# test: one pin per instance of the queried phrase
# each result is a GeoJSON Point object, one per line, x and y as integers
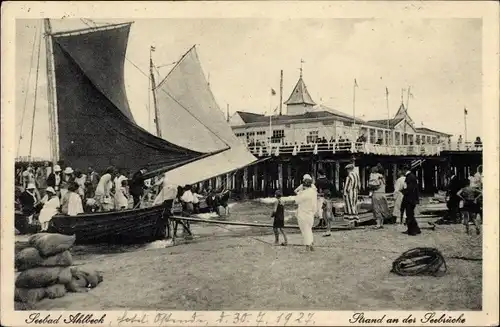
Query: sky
{"type": "Point", "coordinates": [439, 59]}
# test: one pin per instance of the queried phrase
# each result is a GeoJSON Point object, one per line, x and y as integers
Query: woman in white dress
{"type": "Point", "coordinates": [167, 191]}
{"type": "Point", "coordinates": [50, 207]}
{"type": "Point", "coordinates": [120, 194]}
{"type": "Point", "coordinates": [307, 201]}
{"type": "Point", "coordinates": [399, 186]}
{"type": "Point", "coordinates": [80, 180]}
{"type": "Point", "coordinates": [103, 191]}
{"type": "Point", "coordinates": [71, 203]}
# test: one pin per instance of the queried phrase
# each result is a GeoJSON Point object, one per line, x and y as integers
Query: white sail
{"type": "Point", "coordinates": [189, 116]}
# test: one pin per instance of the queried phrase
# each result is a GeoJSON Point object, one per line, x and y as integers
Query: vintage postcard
{"type": "Point", "coordinates": [250, 163]}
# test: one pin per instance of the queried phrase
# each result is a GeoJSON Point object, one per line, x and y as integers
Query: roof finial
{"type": "Point", "coordinates": [301, 62]}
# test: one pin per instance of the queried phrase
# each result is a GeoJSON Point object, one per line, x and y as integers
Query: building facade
{"type": "Point", "coordinates": [306, 122]}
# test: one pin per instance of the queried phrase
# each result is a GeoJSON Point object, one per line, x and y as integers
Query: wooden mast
{"type": "Point", "coordinates": [281, 93]}
{"type": "Point", "coordinates": [51, 93]}
{"type": "Point", "coordinates": [153, 87]}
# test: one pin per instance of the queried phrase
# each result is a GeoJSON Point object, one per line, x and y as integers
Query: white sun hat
{"type": "Point", "coordinates": [57, 168]}
{"type": "Point", "coordinates": [307, 177]}
{"type": "Point", "coordinates": [68, 170]}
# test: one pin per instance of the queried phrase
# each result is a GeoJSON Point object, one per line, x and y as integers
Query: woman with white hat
{"type": "Point", "coordinates": [29, 199]}
{"type": "Point", "coordinates": [69, 175]}
{"type": "Point", "coordinates": [55, 179]}
{"type": "Point", "coordinates": [307, 200]}
{"type": "Point", "coordinates": [50, 208]}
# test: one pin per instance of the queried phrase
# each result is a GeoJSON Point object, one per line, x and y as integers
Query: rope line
{"type": "Point", "coordinates": [36, 93]}
{"type": "Point", "coordinates": [420, 261]}
{"type": "Point", "coordinates": [27, 88]}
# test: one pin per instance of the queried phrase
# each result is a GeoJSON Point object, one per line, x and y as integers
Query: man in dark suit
{"type": "Point", "coordinates": [453, 203]}
{"type": "Point", "coordinates": [137, 186]}
{"type": "Point", "coordinates": [410, 201]}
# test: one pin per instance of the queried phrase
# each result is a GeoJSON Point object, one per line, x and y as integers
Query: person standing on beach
{"type": "Point", "coordinates": [307, 200]}
{"type": "Point", "coordinates": [398, 196]}
{"type": "Point", "coordinates": [351, 189]}
{"type": "Point", "coordinates": [470, 195]}
{"type": "Point", "coordinates": [410, 201]}
{"type": "Point", "coordinates": [327, 211]}
{"type": "Point", "coordinates": [322, 185]}
{"type": "Point", "coordinates": [380, 206]}
{"type": "Point", "coordinates": [279, 220]}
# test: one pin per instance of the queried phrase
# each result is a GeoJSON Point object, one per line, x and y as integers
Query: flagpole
{"type": "Point", "coordinates": [149, 92]}
{"type": "Point", "coordinates": [281, 93]}
{"type": "Point", "coordinates": [354, 108]}
{"type": "Point", "coordinates": [388, 114]}
{"type": "Point", "coordinates": [270, 116]}
{"type": "Point", "coordinates": [465, 125]}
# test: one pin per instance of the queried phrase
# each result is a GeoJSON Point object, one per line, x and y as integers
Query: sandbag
{"type": "Point", "coordinates": [77, 285]}
{"type": "Point", "coordinates": [27, 258]}
{"type": "Point", "coordinates": [93, 278]}
{"type": "Point", "coordinates": [62, 259]}
{"type": "Point", "coordinates": [65, 276]}
{"type": "Point", "coordinates": [29, 295]}
{"type": "Point", "coordinates": [49, 244]}
{"type": "Point", "coordinates": [55, 291]}
{"type": "Point", "coordinates": [42, 277]}
{"type": "Point", "coordinates": [86, 278]}
{"type": "Point", "coordinates": [21, 245]}
{"type": "Point", "coordinates": [21, 306]}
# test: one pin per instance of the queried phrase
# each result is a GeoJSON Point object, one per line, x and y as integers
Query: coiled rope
{"type": "Point", "coordinates": [420, 261]}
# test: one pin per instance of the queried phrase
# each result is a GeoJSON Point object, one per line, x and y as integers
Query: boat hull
{"type": "Point", "coordinates": [116, 227]}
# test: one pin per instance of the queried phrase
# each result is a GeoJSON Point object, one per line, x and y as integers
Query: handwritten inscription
{"type": "Point", "coordinates": [265, 318]}
{"type": "Point", "coordinates": [428, 318]}
{"type": "Point", "coordinates": [224, 318]}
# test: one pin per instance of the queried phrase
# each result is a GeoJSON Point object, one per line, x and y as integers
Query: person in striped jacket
{"type": "Point", "coordinates": [351, 191]}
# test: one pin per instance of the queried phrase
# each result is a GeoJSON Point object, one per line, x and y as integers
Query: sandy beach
{"type": "Point", "coordinates": [239, 268]}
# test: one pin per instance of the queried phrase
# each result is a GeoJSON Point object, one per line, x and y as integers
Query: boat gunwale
{"type": "Point", "coordinates": [110, 213]}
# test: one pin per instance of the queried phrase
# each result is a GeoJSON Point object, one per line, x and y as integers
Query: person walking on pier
{"type": "Point", "coordinates": [351, 190]}
{"type": "Point", "coordinates": [410, 201]}
{"type": "Point", "coordinates": [279, 220]}
{"type": "Point", "coordinates": [307, 200]}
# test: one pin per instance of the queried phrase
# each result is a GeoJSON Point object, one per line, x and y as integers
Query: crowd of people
{"type": "Point", "coordinates": [464, 199]}
{"type": "Point", "coordinates": [49, 190]}
{"type": "Point", "coordinates": [314, 200]}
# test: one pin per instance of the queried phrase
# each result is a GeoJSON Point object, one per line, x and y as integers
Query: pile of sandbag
{"type": "Point", "coordinates": [45, 269]}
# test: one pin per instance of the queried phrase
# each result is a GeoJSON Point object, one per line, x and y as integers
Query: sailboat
{"type": "Point", "coordinates": [92, 125]}
{"type": "Point", "coordinates": [184, 98]}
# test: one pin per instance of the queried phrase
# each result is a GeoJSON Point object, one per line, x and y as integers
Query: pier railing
{"type": "Point", "coordinates": [358, 147]}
